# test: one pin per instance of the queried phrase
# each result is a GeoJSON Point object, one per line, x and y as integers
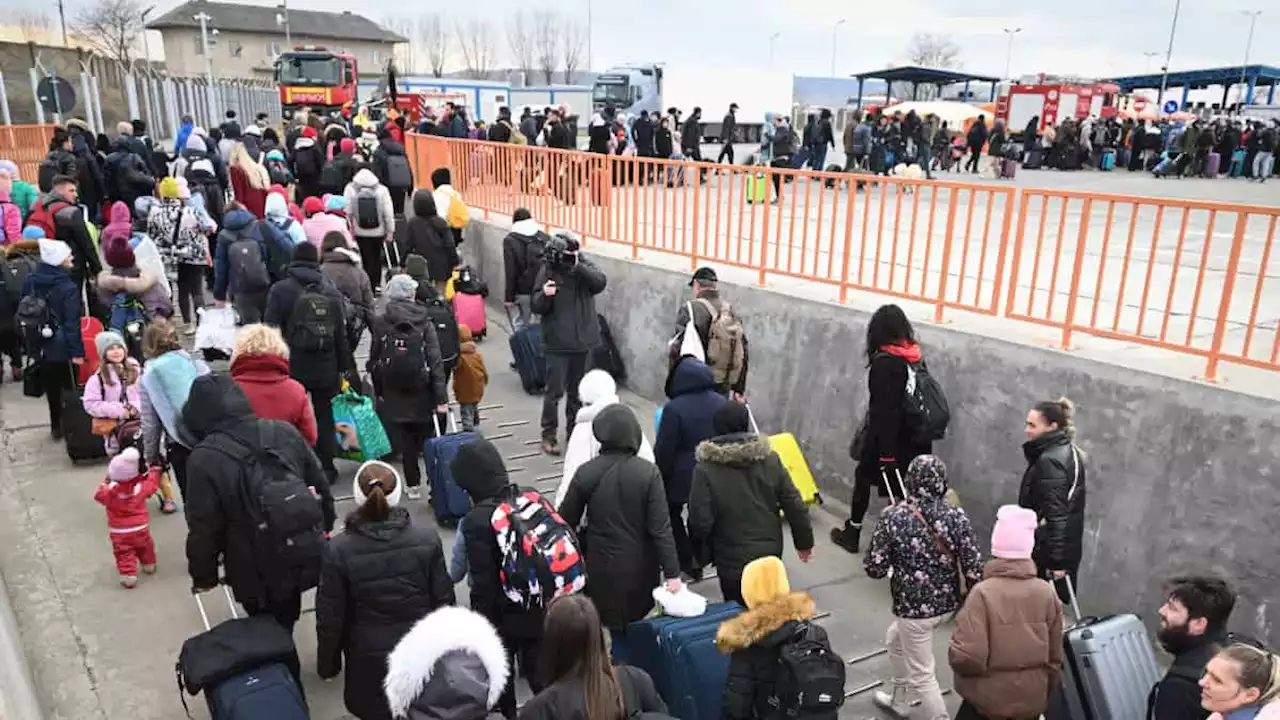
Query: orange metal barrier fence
{"type": "Point", "coordinates": [26, 145]}
{"type": "Point", "coordinates": [1193, 277]}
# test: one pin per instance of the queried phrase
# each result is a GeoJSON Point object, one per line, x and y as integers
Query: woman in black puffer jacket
{"type": "Point", "coordinates": [1054, 487]}
{"type": "Point", "coordinates": [378, 578]}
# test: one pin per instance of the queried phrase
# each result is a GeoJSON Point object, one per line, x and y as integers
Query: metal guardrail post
{"type": "Point", "coordinates": [1228, 288]}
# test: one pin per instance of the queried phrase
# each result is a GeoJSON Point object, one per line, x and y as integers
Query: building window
{"type": "Point", "coordinates": [236, 48]}
{"type": "Point", "coordinates": [273, 50]}
{"type": "Point", "coordinates": [375, 57]}
{"type": "Point", "coordinates": [199, 44]}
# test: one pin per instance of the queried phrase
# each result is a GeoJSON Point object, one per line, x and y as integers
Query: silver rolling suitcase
{"type": "Point", "coordinates": [1109, 668]}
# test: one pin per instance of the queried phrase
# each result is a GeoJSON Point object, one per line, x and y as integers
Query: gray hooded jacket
{"type": "Point", "coordinates": [450, 666]}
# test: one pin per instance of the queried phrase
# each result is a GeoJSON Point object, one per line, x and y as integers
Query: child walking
{"type": "Point", "coordinates": [124, 493]}
{"type": "Point", "coordinates": [469, 379]}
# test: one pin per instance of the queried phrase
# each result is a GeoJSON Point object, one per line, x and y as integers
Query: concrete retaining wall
{"type": "Point", "coordinates": [1182, 476]}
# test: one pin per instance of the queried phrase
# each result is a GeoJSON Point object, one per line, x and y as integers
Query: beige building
{"type": "Point", "coordinates": [249, 38]}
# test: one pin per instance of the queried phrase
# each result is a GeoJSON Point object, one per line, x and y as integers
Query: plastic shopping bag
{"type": "Point", "coordinates": [685, 603]}
{"type": "Point", "coordinates": [216, 330]}
{"type": "Point", "coordinates": [361, 436]}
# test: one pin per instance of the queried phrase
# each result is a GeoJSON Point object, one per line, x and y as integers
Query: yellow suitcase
{"type": "Point", "coordinates": [792, 458]}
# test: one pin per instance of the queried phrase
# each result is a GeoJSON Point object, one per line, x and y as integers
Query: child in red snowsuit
{"type": "Point", "coordinates": [125, 493]}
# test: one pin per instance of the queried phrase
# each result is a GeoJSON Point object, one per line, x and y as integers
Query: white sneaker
{"type": "Point", "coordinates": [189, 330]}
{"type": "Point", "coordinates": [414, 493]}
{"type": "Point", "coordinates": [894, 704]}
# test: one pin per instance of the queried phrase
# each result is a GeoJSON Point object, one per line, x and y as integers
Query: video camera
{"type": "Point", "coordinates": [561, 252]}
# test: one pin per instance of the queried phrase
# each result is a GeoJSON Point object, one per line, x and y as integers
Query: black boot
{"type": "Point", "coordinates": [847, 537]}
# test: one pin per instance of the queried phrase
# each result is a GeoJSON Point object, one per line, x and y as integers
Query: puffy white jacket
{"type": "Point", "coordinates": [597, 392]}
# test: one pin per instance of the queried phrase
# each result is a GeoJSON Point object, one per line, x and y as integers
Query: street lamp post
{"type": "Point", "coordinates": [1008, 57]}
{"type": "Point", "coordinates": [835, 36]}
{"type": "Point", "coordinates": [1148, 56]}
{"type": "Point", "coordinates": [283, 19]}
{"type": "Point", "coordinates": [204, 19]}
{"type": "Point", "coordinates": [1248, 45]}
{"type": "Point", "coordinates": [772, 40]}
{"type": "Point", "coordinates": [146, 48]}
{"type": "Point", "coordinates": [1168, 55]}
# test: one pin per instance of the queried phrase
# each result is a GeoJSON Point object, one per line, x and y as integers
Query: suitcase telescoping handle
{"type": "Point", "coordinates": [902, 487]}
{"type": "Point", "coordinates": [752, 417]}
{"type": "Point", "coordinates": [204, 616]}
{"type": "Point", "coordinates": [1071, 595]}
{"type": "Point", "coordinates": [450, 425]}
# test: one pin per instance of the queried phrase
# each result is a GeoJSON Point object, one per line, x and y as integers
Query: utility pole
{"type": "Point", "coordinates": [62, 17]}
{"type": "Point", "coordinates": [146, 47]}
{"type": "Point", "coordinates": [1168, 55]}
{"type": "Point", "coordinates": [1008, 56]}
{"type": "Point", "coordinates": [1244, 69]}
{"type": "Point", "coordinates": [835, 37]}
{"type": "Point", "coordinates": [204, 19]}
{"type": "Point", "coordinates": [288, 32]}
{"type": "Point", "coordinates": [1148, 56]}
{"type": "Point", "coordinates": [589, 34]}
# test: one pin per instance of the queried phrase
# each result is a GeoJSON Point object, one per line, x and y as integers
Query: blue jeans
{"type": "Point", "coordinates": [926, 159]}
{"type": "Point", "coordinates": [818, 157]}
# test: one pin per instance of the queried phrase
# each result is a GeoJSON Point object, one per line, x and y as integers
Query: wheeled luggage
{"type": "Point", "coordinates": [758, 187]}
{"type": "Point", "coordinates": [1212, 164]}
{"type": "Point", "coordinates": [469, 310]}
{"type": "Point", "coordinates": [681, 656]}
{"type": "Point", "coordinates": [246, 667]}
{"type": "Point", "coordinates": [526, 351]}
{"type": "Point", "coordinates": [77, 427]}
{"type": "Point", "coordinates": [89, 329]}
{"type": "Point", "coordinates": [1237, 164]}
{"type": "Point", "coordinates": [1109, 668]}
{"type": "Point", "coordinates": [1107, 162]}
{"type": "Point", "coordinates": [831, 182]}
{"type": "Point", "coordinates": [449, 500]}
{"type": "Point", "coordinates": [605, 356]}
{"type": "Point", "coordinates": [792, 457]}
{"type": "Point", "coordinates": [1122, 157]}
{"type": "Point", "coordinates": [1035, 159]}
{"type": "Point", "coordinates": [1008, 168]}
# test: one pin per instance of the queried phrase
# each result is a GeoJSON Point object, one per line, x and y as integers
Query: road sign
{"type": "Point", "coordinates": [56, 95]}
{"type": "Point", "coordinates": [1171, 107]}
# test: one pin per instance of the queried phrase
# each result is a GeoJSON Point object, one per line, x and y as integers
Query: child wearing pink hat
{"type": "Point", "coordinates": [124, 493]}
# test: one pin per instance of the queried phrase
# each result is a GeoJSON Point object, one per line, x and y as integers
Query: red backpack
{"type": "Point", "coordinates": [42, 217]}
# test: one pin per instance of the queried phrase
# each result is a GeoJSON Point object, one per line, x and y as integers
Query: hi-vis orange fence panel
{"type": "Point", "coordinates": [26, 145]}
{"type": "Point", "coordinates": [1188, 276]}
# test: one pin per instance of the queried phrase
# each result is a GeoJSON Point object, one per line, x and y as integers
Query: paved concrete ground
{"type": "Point", "coordinates": [98, 651]}
{"type": "Point", "coordinates": [1139, 274]}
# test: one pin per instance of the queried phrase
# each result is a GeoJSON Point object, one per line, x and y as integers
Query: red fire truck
{"type": "Point", "coordinates": [1055, 99]}
{"type": "Point", "coordinates": [316, 77]}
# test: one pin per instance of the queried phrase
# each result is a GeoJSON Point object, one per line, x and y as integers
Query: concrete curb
{"type": "Point", "coordinates": [18, 697]}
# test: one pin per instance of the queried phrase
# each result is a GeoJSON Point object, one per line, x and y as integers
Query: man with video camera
{"type": "Point", "coordinates": [564, 295]}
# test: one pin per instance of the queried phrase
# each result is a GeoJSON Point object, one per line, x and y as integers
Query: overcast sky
{"type": "Point", "coordinates": [1085, 37]}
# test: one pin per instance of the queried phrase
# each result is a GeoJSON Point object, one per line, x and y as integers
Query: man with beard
{"type": "Point", "coordinates": [1193, 625]}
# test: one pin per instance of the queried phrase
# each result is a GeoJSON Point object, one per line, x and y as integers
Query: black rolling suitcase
{"type": "Point", "coordinates": [1108, 670]}
{"type": "Point", "coordinates": [605, 356]}
{"type": "Point", "coordinates": [1035, 159]}
{"type": "Point", "coordinates": [77, 427]}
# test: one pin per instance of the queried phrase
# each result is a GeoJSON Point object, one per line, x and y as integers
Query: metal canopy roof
{"type": "Point", "coordinates": [923, 75]}
{"type": "Point", "coordinates": [1196, 79]}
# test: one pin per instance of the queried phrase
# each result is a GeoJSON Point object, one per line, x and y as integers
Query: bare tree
{"type": "Point", "coordinates": [520, 39]}
{"type": "Point", "coordinates": [933, 51]}
{"type": "Point", "coordinates": [546, 43]}
{"type": "Point", "coordinates": [33, 24]}
{"type": "Point", "coordinates": [575, 41]}
{"type": "Point", "coordinates": [435, 41]}
{"type": "Point", "coordinates": [405, 54]}
{"type": "Point", "coordinates": [479, 45]}
{"type": "Point", "coordinates": [111, 27]}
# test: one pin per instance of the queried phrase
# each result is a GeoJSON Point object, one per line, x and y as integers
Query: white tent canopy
{"type": "Point", "coordinates": [956, 114]}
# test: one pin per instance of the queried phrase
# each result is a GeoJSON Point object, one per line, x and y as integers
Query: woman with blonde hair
{"type": "Point", "coordinates": [1054, 487]}
{"type": "Point", "coordinates": [378, 578]}
{"type": "Point", "coordinates": [1242, 682]}
{"type": "Point", "coordinates": [260, 365]}
{"type": "Point", "coordinates": [166, 382]}
{"type": "Point", "coordinates": [249, 180]}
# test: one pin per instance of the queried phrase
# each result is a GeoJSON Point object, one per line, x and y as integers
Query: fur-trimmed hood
{"type": "Point", "coordinates": [451, 656]}
{"type": "Point", "coordinates": [755, 626]}
{"type": "Point", "coordinates": [735, 449]}
{"type": "Point", "coordinates": [110, 282]}
{"type": "Point", "coordinates": [24, 247]}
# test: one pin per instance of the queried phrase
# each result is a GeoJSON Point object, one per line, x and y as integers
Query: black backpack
{"type": "Point", "coordinates": [13, 273]}
{"type": "Point", "coordinates": [468, 283]}
{"type": "Point", "coordinates": [35, 322]}
{"type": "Point", "coordinates": [784, 143]}
{"type": "Point", "coordinates": [809, 679]}
{"type": "Point", "coordinates": [48, 171]}
{"type": "Point", "coordinates": [287, 517]}
{"type": "Point", "coordinates": [446, 326]}
{"type": "Point", "coordinates": [402, 362]}
{"type": "Point", "coordinates": [248, 269]}
{"type": "Point", "coordinates": [367, 215]}
{"type": "Point", "coordinates": [331, 177]}
{"type": "Point", "coordinates": [278, 172]}
{"type": "Point", "coordinates": [312, 325]}
{"type": "Point", "coordinates": [399, 174]}
{"type": "Point", "coordinates": [925, 405]}
{"type": "Point", "coordinates": [304, 163]}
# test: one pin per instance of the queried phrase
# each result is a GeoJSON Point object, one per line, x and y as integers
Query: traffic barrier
{"type": "Point", "coordinates": [26, 145]}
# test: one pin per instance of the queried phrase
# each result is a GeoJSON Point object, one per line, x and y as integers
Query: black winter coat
{"type": "Point", "coordinates": [691, 134]}
{"type": "Point", "coordinates": [560, 137]}
{"type": "Point", "coordinates": [888, 428]}
{"type": "Point", "coordinates": [377, 580]}
{"type": "Point", "coordinates": [400, 406]}
{"type": "Point", "coordinates": [63, 163]}
{"type": "Point", "coordinates": [69, 227]}
{"type": "Point", "coordinates": [128, 174]}
{"type": "Point", "coordinates": [88, 172]}
{"type": "Point", "coordinates": [642, 133]}
{"type": "Point", "coordinates": [754, 638]}
{"type": "Point", "coordinates": [1054, 486]}
{"type": "Point", "coordinates": [316, 371]}
{"type": "Point", "coordinates": [428, 235]}
{"type": "Point", "coordinates": [686, 422]}
{"type": "Point", "coordinates": [480, 473]}
{"type": "Point", "coordinates": [566, 700]}
{"type": "Point", "coordinates": [569, 321]}
{"type": "Point", "coordinates": [1177, 695]}
{"type": "Point", "coordinates": [739, 485]}
{"type": "Point", "coordinates": [628, 540]}
{"type": "Point", "coordinates": [219, 524]}
{"type": "Point", "coordinates": [520, 264]}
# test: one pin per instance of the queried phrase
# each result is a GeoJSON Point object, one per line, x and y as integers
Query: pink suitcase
{"type": "Point", "coordinates": [470, 312]}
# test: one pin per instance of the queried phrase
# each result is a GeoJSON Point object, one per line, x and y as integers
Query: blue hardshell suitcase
{"type": "Point", "coordinates": [681, 656]}
{"type": "Point", "coordinates": [449, 500]}
{"type": "Point", "coordinates": [265, 693]}
{"type": "Point", "coordinates": [531, 363]}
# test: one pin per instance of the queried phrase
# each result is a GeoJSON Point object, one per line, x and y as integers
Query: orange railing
{"type": "Point", "coordinates": [1188, 276]}
{"type": "Point", "coordinates": [26, 145]}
